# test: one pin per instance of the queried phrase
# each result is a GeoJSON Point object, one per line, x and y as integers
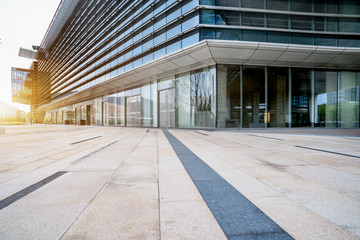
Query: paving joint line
{"type": "Point", "coordinates": [85, 140]}
{"type": "Point", "coordinates": [106, 182]}
{"type": "Point", "coordinates": [326, 151]}
{"type": "Point", "coordinates": [254, 135]}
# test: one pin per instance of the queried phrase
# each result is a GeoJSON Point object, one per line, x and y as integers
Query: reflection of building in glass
{"type": "Point", "coordinates": [199, 63]}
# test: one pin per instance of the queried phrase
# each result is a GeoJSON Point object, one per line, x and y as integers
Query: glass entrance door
{"type": "Point", "coordinates": [167, 108]}
{"type": "Point", "coordinates": [133, 111]}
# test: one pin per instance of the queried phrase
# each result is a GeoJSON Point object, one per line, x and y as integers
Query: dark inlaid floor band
{"type": "Point", "coordinates": [337, 153]}
{"type": "Point", "coordinates": [236, 215]}
{"type": "Point", "coordinates": [84, 140]}
{"type": "Point", "coordinates": [262, 136]}
{"type": "Point", "coordinates": [201, 133]}
{"type": "Point", "coordinates": [88, 155]}
{"type": "Point", "coordinates": [16, 196]}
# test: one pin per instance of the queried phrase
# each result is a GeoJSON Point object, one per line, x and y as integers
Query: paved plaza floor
{"type": "Point", "coordinates": [87, 182]}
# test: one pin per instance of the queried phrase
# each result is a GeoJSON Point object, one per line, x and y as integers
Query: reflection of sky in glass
{"type": "Point", "coordinates": [321, 99]}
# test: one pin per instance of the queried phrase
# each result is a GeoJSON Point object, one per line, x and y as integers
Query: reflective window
{"type": "Point", "coordinates": [325, 99]}
{"type": "Point", "coordinates": [227, 18]}
{"type": "Point", "coordinates": [351, 25]}
{"type": "Point", "coordinates": [301, 22]}
{"type": "Point", "coordinates": [188, 5]}
{"type": "Point", "coordinates": [252, 19]}
{"type": "Point", "coordinates": [298, 38]}
{"type": "Point", "coordinates": [277, 97]}
{"type": "Point", "coordinates": [207, 33]}
{"type": "Point", "coordinates": [278, 37]}
{"type": "Point", "coordinates": [257, 36]}
{"type": "Point", "coordinates": [301, 93]}
{"type": "Point", "coordinates": [228, 3]}
{"type": "Point", "coordinates": [349, 96]}
{"type": "Point", "coordinates": [173, 46]}
{"type": "Point", "coordinates": [301, 5]}
{"type": "Point", "coordinates": [253, 97]}
{"type": "Point", "coordinates": [173, 30]}
{"type": "Point", "coordinates": [277, 21]}
{"type": "Point", "coordinates": [183, 101]}
{"type": "Point", "coordinates": [349, 7]}
{"type": "Point", "coordinates": [190, 21]}
{"type": "Point", "coordinates": [253, 4]}
{"type": "Point", "coordinates": [282, 5]}
{"type": "Point", "coordinates": [325, 40]}
{"type": "Point", "coordinates": [146, 106]}
{"type": "Point", "coordinates": [229, 97]}
{"type": "Point", "coordinates": [207, 2]}
{"type": "Point", "coordinates": [173, 14]}
{"type": "Point", "coordinates": [228, 34]}
{"type": "Point", "coordinates": [207, 16]}
{"type": "Point", "coordinates": [189, 39]}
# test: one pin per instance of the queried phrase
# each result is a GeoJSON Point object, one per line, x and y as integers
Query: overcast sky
{"type": "Point", "coordinates": [23, 23]}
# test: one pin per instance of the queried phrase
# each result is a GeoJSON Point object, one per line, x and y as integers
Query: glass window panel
{"type": "Point", "coordinates": [137, 62]}
{"type": "Point", "coordinates": [173, 30]}
{"type": "Point", "coordinates": [159, 6]}
{"type": "Point", "coordinates": [146, 106]}
{"type": "Point", "coordinates": [154, 103]}
{"type": "Point", "coordinates": [227, 18]}
{"type": "Point", "coordinates": [278, 37]}
{"type": "Point", "coordinates": [349, 25]}
{"type": "Point", "coordinates": [301, 5]}
{"type": "Point", "coordinates": [148, 43]}
{"type": "Point", "coordinates": [173, 46]}
{"type": "Point", "coordinates": [259, 4]}
{"type": "Point", "coordinates": [121, 109]}
{"type": "Point", "coordinates": [160, 52]}
{"type": "Point", "coordinates": [228, 3]}
{"type": "Point", "coordinates": [306, 39]}
{"type": "Point", "coordinates": [207, 33]}
{"type": "Point", "coordinates": [190, 39]}
{"type": "Point", "coordinates": [331, 24]}
{"type": "Point", "coordinates": [228, 34]}
{"type": "Point", "coordinates": [282, 5]}
{"type": "Point", "coordinates": [349, 7]}
{"type": "Point", "coordinates": [203, 100]}
{"type": "Point", "coordinates": [252, 19]}
{"type": "Point", "coordinates": [148, 57]}
{"type": "Point", "coordinates": [349, 42]}
{"type": "Point", "coordinates": [277, 97]}
{"type": "Point", "coordinates": [166, 83]}
{"type": "Point", "coordinates": [137, 49]}
{"type": "Point", "coordinates": [207, 2]}
{"type": "Point", "coordinates": [207, 16]}
{"type": "Point", "coordinates": [349, 92]}
{"type": "Point", "coordinates": [253, 97]}
{"type": "Point", "coordinates": [173, 14]}
{"type": "Point", "coordinates": [112, 109]}
{"type": "Point", "coordinates": [229, 98]}
{"type": "Point", "coordinates": [183, 101]}
{"type": "Point", "coordinates": [190, 21]}
{"type": "Point", "coordinates": [325, 40]}
{"type": "Point", "coordinates": [160, 21]}
{"type": "Point", "coordinates": [319, 23]}
{"type": "Point", "coordinates": [148, 29]}
{"type": "Point", "coordinates": [301, 22]}
{"type": "Point", "coordinates": [325, 99]}
{"type": "Point", "coordinates": [277, 21]}
{"type": "Point", "coordinates": [160, 36]}
{"type": "Point", "coordinates": [188, 5]}
{"type": "Point", "coordinates": [257, 36]}
{"type": "Point", "coordinates": [301, 94]}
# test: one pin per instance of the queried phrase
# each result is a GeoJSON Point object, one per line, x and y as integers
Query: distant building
{"type": "Point", "coordinates": [197, 63]}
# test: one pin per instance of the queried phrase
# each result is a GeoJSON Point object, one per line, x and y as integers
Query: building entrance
{"type": "Point", "coordinates": [167, 108]}
{"type": "Point", "coordinates": [133, 111]}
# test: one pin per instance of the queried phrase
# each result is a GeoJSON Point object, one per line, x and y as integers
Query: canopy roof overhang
{"type": "Point", "coordinates": [211, 52]}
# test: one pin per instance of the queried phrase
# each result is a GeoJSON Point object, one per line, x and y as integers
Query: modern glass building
{"type": "Point", "coordinates": [200, 63]}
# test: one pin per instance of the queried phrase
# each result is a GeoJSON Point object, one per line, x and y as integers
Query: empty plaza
{"type": "Point", "coordinates": [88, 182]}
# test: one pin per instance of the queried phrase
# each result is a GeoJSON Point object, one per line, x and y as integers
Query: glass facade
{"type": "Point", "coordinates": [325, 22]}
{"type": "Point", "coordinates": [228, 96]}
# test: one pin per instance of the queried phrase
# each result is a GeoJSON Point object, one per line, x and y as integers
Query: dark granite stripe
{"type": "Point", "coordinates": [84, 140]}
{"type": "Point", "coordinates": [201, 133]}
{"type": "Point", "coordinates": [337, 153]}
{"type": "Point", "coordinates": [16, 196]}
{"type": "Point", "coordinates": [237, 216]}
{"type": "Point", "coordinates": [253, 135]}
{"type": "Point", "coordinates": [88, 155]}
